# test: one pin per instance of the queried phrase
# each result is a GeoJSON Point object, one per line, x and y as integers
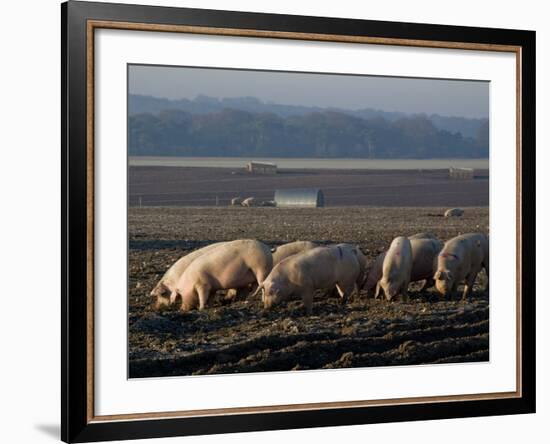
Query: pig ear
{"type": "Point", "coordinates": [159, 289]}
{"type": "Point", "coordinates": [260, 288]}
{"type": "Point", "coordinates": [173, 296]}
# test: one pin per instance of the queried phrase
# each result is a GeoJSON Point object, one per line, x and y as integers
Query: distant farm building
{"type": "Point", "coordinates": [461, 173]}
{"type": "Point", "coordinates": [299, 198]}
{"type": "Point", "coordinates": [261, 168]}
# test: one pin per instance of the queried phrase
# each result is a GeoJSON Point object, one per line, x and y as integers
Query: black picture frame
{"type": "Point", "coordinates": [76, 424]}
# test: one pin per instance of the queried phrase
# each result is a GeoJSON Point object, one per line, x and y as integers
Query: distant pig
{"type": "Point", "coordinates": [321, 268]}
{"type": "Point", "coordinates": [460, 260]}
{"type": "Point", "coordinates": [454, 212]}
{"type": "Point", "coordinates": [286, 250]}
{"type": "Point", "coordinates": [249, 202]}
{"type": "Point", "coordinates": [232, 265]}
{"type": "Point", "coordinates": [396, 269]}
{"type": "Point", "coordinates": [164, 288]}
{"type": "Point", "coordinates": [236, 201]}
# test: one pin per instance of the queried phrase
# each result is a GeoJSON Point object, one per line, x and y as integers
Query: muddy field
{"type": "Point", "coordinates": [182, 186]}
{"type": "Point", "coordinates": [241, 337]}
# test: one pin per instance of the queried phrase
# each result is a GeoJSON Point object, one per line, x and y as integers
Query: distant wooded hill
{"type": "Point", "coordinates": [248, 127]}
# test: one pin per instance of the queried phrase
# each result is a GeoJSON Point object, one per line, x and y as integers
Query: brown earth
{"type": "Point", "coordinates": [179, 186]}
{"type": "Point", "coordinates": [241, 337]}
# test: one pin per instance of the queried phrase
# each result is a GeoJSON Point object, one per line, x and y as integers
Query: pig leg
{"type": "Point", "coordinates": [334, 292]}
{"type": "Point", "coordinates": [469, 285]}
{"type": "Point", "coordinates": [352, 289]}
{"type": "Point", "coordinates": [466, 293]}
{"type": "Point", "coordinates": [454, 292]}
{"type": "Point", "coordinates": [370, 293]}
{"type": "Point", "coordinates": [307, 299]}
{"type": "Point", "coordinates": [360, 281]}
{"type": "Point", "coordinates": [379, 289]}
{"type": "Point", "coordinates": [405, 292]}
{"type": "Point", "coordinates": [203, 292]}
{"type": "Point", "coordinates": [341, 292]}
{"type": "Point", "coordinates": [451, 295]}
{"type": "Point", "coordinates": [345, 291]}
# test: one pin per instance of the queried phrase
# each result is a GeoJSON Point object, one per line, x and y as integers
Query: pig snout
{"type": "Point", "coordinates": [161, 296]}
{"type": "Point", "coordinates": [443, 282]}
{"type": "Point", "coordinates": [442, 287]}
{"type": "Point", "coordinates": [161, 302]}
{"type": "Point", "coordinates": [391, 292]}
{"type": "Point", "coordinates": [390, 289]}
{"type": "Point", "coordinates": [269, 299]}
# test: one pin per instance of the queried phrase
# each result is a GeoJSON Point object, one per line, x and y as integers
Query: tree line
{"type": "Point", "coordinates": [329, 134]}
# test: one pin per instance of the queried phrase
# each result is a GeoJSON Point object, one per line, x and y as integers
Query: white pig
{"type": "Point", "coordinates": [454, 212]}
{"type": "Point", "coordinates": [321, 268]}
{"type": "Point", "coordinates": [232, 265]}
{"type": "Point", "coordinates": [460, 260]}
{"type": "Point", "coordinates": [249, 202]}
{"type": "Point", "coordinates": [374, 270]}
{"type": "Point", "coordinates": [167, 283]}
{"type": "Point", "coordinates": [396, 269]}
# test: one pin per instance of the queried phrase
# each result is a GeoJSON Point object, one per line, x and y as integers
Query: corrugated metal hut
{"type": "Point", "coordinates": [261, 168]}
{"type": "Point", "coordinates": [461, 173]}
{"type": "Point", "coordinates": [299, 198]}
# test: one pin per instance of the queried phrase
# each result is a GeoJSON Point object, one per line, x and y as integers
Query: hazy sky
{"type": "Point", "coordinates": [464, 98]}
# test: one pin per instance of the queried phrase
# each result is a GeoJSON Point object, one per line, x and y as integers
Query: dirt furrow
{"type": "Point", "coordinates": [278, 352]}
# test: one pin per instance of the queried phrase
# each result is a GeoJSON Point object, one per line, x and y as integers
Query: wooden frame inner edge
{"type": "Point", "coordinates": [90, 119]}
{"type": "Point", "coordinates": [90, 28]}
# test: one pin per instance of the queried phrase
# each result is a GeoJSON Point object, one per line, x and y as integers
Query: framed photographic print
{"type": "Point", "coordinates": [275, 221]}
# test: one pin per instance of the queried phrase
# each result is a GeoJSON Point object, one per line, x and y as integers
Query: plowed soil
{"type": "Point", "coordinates": [238, 336]}
{"type": "Point", "coordinates": [181, 186]}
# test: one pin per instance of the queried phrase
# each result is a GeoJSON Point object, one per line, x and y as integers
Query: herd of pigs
{"type": "Point", "coordinates": [299, 269]}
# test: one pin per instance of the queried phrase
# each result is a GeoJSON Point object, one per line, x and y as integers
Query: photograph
{"type": "Point", "coordinates": [274, 221]}
{"type": "Point", "coordinates": [294, 221]}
